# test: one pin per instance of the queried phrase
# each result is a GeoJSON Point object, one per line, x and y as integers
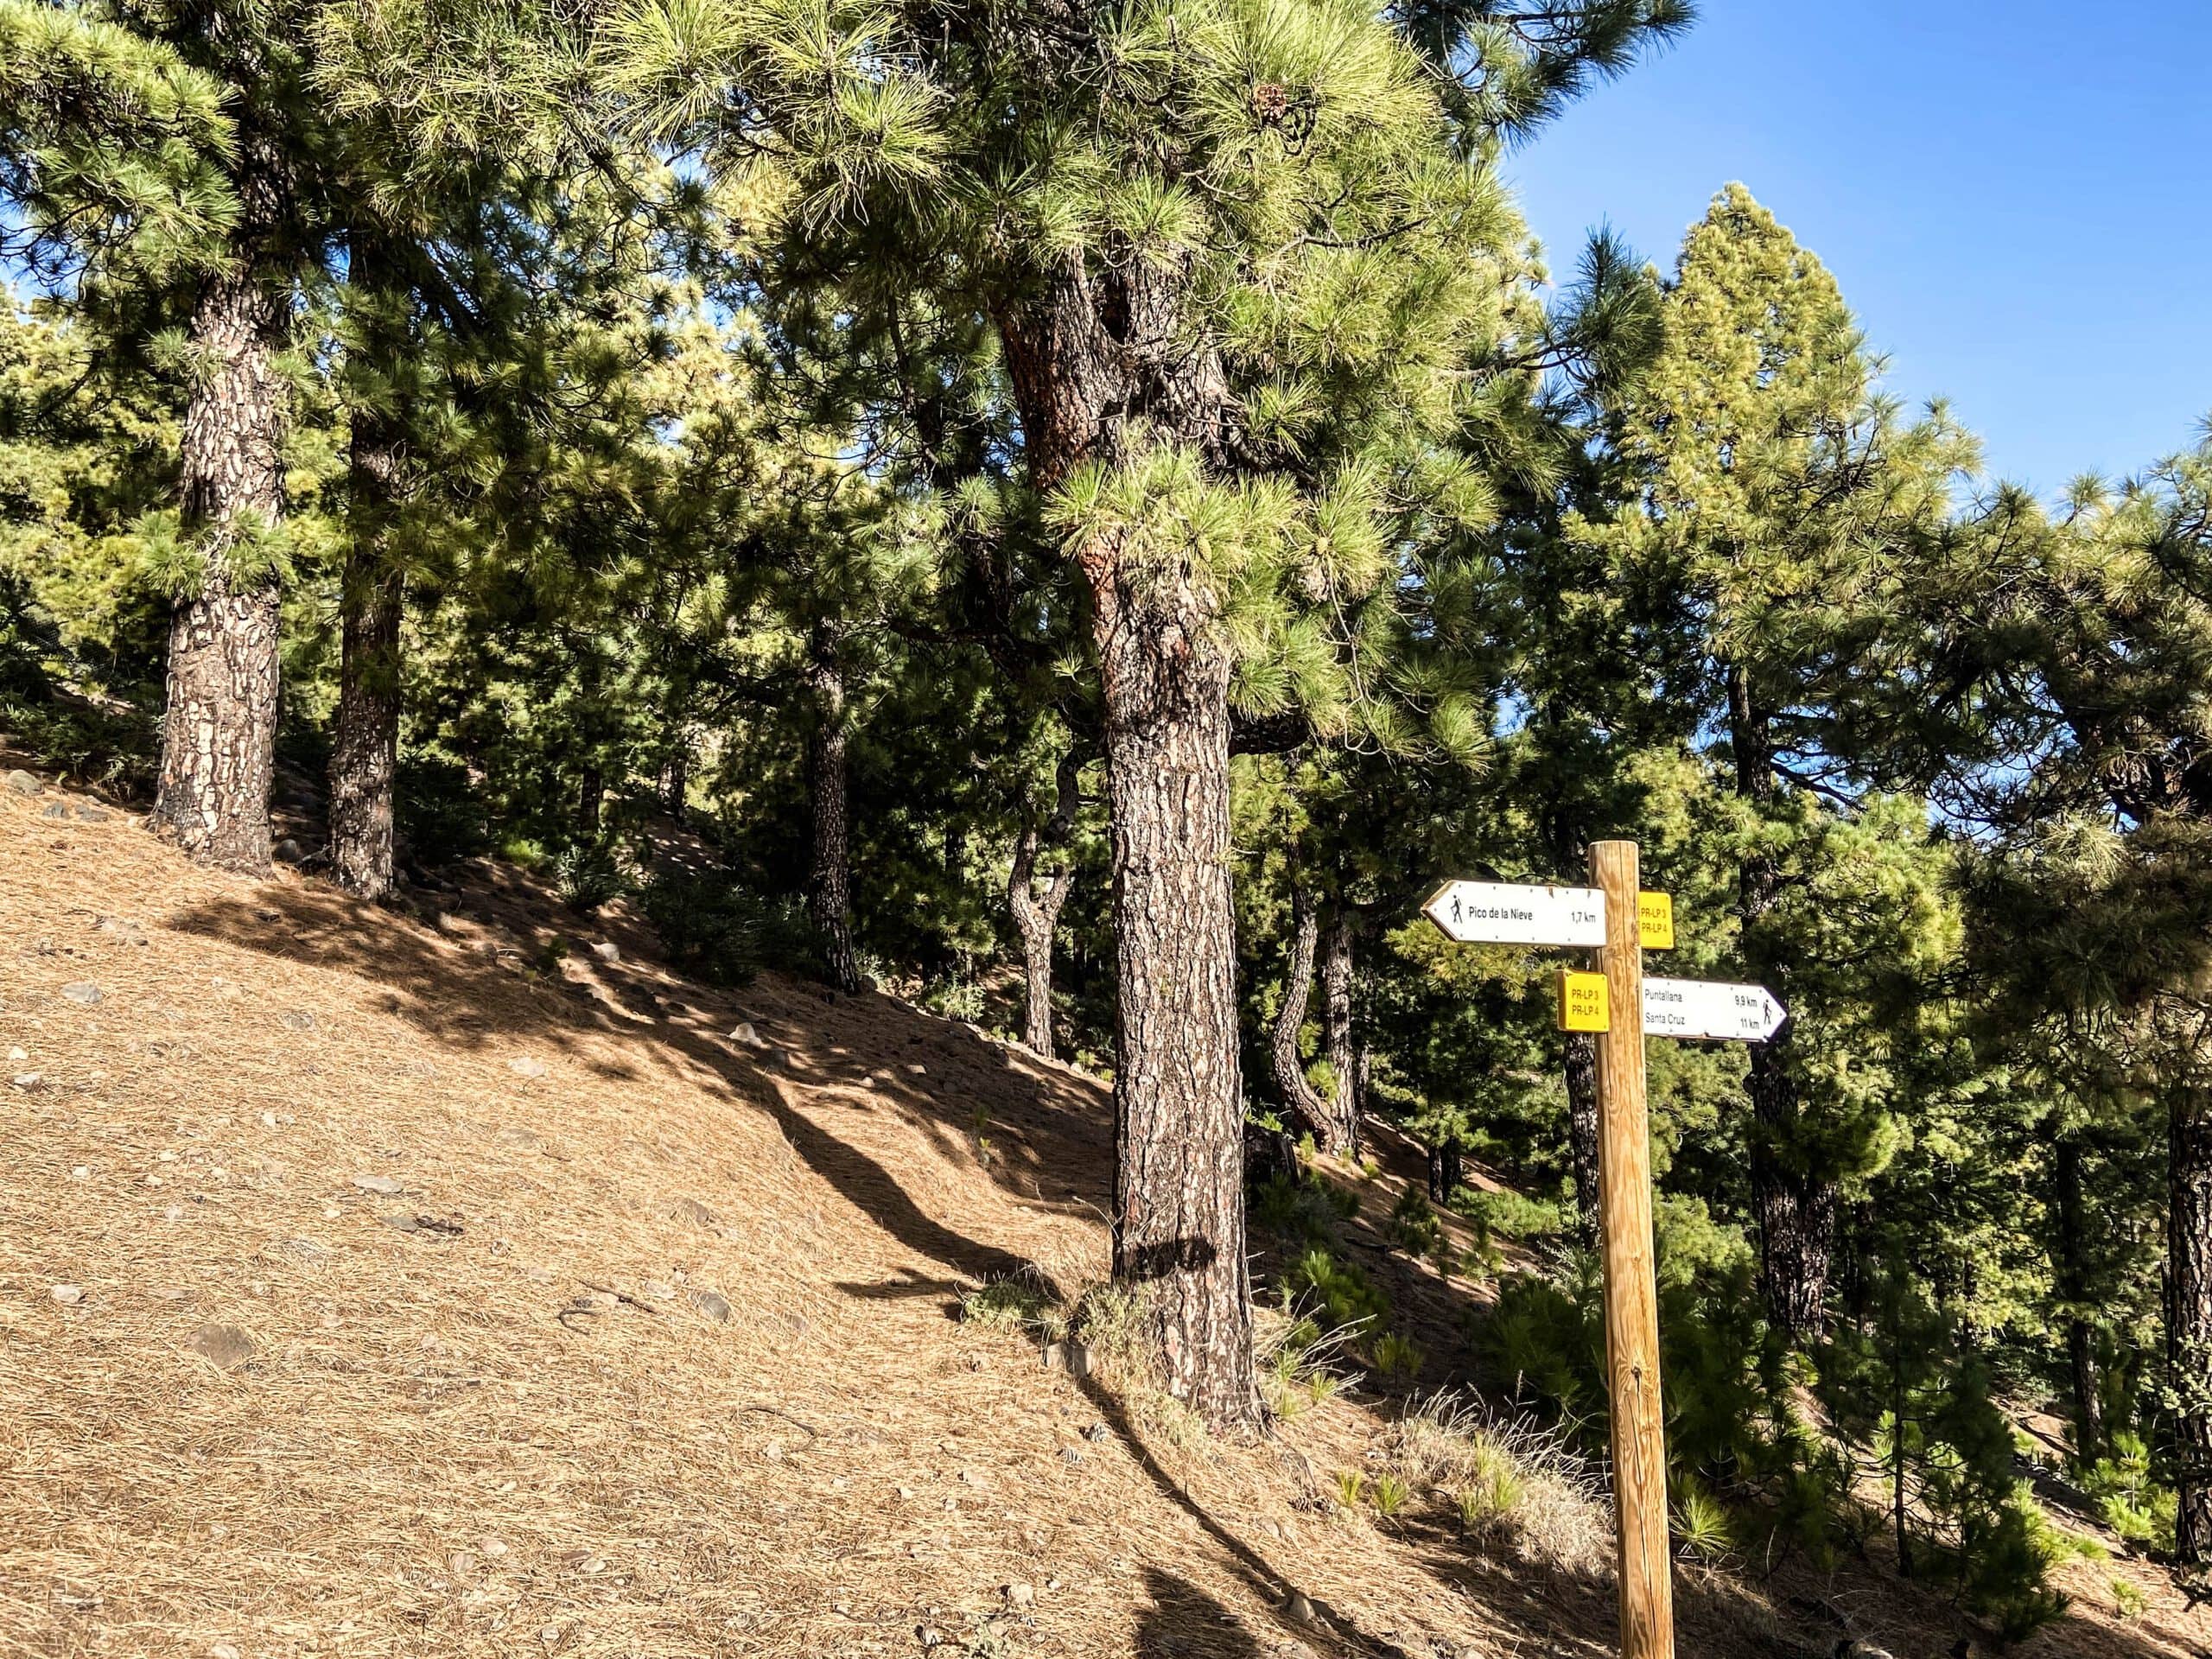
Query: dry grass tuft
{"type": "Point", "coordinates": [1507, 1482]}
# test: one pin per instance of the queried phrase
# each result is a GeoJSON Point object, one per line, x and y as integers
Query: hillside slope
{"type": "Point", "coordinates": [374, 1287]}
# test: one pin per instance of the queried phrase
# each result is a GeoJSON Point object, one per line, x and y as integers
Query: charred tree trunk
{"type": "Point", "coordinates": [1447, 1169]}
{"type": "Point", "coordinates": [365, 752]}
{"type": "Point", "coordinates": [1582, 1133]}
{"type": "Point", "coordinates": [1037, 915]}
{"type": "Point", "coordinates": [2189, 1316]}
{"type": "Point", "coordinates": [1794, 1206]}
{"type": "Point", "coordinates": [2070, 1271]}
{"type": "Point", "coordinates": [1300, 1098]}
{"type": "Point", "coordinates": [1179, 1142]}
{"type": "Point", "coordinates": [591, 804]}
{"type": "Point", "coordinates": [1350, 1104]}
{"type": "Point", "coordinates": [675, 782]}
{"type": "Point", "coordinates": [830, 880]}
{"type": "Point", "coordinates": [218, 729]}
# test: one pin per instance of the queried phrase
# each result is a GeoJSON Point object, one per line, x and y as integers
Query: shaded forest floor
{"type": "Point", "coordinates": [372, 1284]}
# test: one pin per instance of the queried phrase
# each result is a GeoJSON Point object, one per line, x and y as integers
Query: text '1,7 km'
{"type": "Point", "coordinates": [1512, 913]}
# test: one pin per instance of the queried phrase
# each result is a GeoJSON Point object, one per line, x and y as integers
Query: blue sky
{"type": "Point", "coordinates": [2016, 198]}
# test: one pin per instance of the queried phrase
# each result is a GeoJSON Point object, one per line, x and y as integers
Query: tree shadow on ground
{"type": "Point", "coordinates": [1058, 1135]}
{"type": "Point", "coordinates": [1185, 1622]}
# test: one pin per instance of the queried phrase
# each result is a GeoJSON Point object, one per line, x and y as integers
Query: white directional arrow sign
{"type": "Point", "coordinates": [1493, 912]}
{"type": "Point", "coordinates": [1711, 1009]}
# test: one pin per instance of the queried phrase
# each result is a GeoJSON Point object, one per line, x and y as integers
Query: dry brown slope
{"type": "Point", "coordinates": [494, 1410]}
{"type": "Point", "coordinates": [526, 1435]}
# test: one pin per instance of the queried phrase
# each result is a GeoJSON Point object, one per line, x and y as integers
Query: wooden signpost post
{"type": "Point", "coordinates": [1618, 921]}
{"type": "Point", "coordinates": [1639, 1434]}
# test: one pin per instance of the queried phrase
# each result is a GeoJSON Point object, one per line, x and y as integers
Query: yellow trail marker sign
{"type": "Point", "coordinates": [1654, 921]}
{"type": "Point", "coordinates": [1585, 1002]}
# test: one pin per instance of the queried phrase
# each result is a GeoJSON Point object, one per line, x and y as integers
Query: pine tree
{"type": "Point", "coordinates": [1775, 494]}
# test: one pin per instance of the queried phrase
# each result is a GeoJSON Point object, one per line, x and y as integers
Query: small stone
{"type": "Point", "coordinates": [773, 1451]}
{"type": "Point", "coordinates": [402, 1223]}
{"type": "Point", "coordinates": [607, 950]}
{"type": "Point", "coordinates": [660, 1288]}
{"type": "Point", "coordinates": [68, 1295]}
{"type": "Point", "coordinates": [298, 1020]}
{"type": "Point", "coordinates": [83, 993]}
{"type": "Point", "coordinates": [82, 1172]}
{"type": "Point", "coordinates": [22, 782]}
{"type": "Point", "coordinates": [492, 1547]}
{"type": "Point", "coordinates": [711, 1303]}
{"type": "Point", "coordinates": [223, 1650]}
{"type": "Point", "coordinates": [1020, 1595]}
{"type": "Point", "coordinates": [905, 1492]}
{"type": "Point", "coordinates": [223, 1346]}
{"type": "Point", "coordinates": [382, 1185]}
{"type": "Point", "coordinates": [174, 1212]}
{"type": "Point", "coordinates": [92, 814]}
{"type": "Point", "coordinates": [19, 1053]}
{"type": "Point", "coordinates": [527, 1068]}
{"type": "Point", "coordinates": [27, 1079]}
{"type": "Point", "coordinates": [976, 1478]}
{"type": "Point", "coordinates": [58, 810]}
{"type": "Point", "coordinates": [916, 1068]}
{"type": "Point", "coordinates": [129, 932]}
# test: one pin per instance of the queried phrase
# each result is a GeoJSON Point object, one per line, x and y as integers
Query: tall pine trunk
{"type": "Point", "coordinates": [1179, 1232]}
{"type": "Point", "coordinates": [2069, 1248]}
{"type": "Point", "coordinates": [2188, 1314]}
{"type": "Point", "coordinates": [1348, 1103]}
{"type": "Point", "coordinates": [1083, 349]}
{"type": "Point", "coordinates": [365, 755]}
{"type": "Point", "coordinates": [830, 879]}
{"type": "Point", "coordinates": [1795, 1206]}
{"type": "Point", "coordinates": [1300, 1098]}
{"type": "Point", "coordinates": [218, 727]}
{"type": "Point", "coordinates": [1037, 914]}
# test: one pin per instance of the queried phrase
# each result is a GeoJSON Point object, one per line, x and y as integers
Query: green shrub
{"type": "Point", "coordinates": [1336, 1295]}
{"type": "Point", "coordinates": [1509, 1214]}
{"type": "Point", "coordinates": [1413, 1226]}
{"type": "Point", "coordinates": [720, 931]}
{"type": "Point", "coordinates": [587, 875]}
{"type": "Point", "coordinates": [1302, 1210]}
{"type": "Point", "coordinates": [2127, 1498]}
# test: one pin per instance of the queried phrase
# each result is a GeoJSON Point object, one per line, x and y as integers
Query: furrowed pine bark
{"type": "Point", "coordinates": [218, 727]}
{"type": "Point", "coordinates": [1083, 348]}
{"type": "Point", "coordinates": [1795, 1207]}
{"type": "Point", "coordinates": [2188, 1315]}
{"type": "Point", "coordinates": [365, 752]}
{"type": "Point", "coordinates": [1300, 1098]}
{"type": "Point", "coordinates": [1178, 1233]}
{"type": "Point", "coordinates": [1347, 1101]}
{"type": "Point", "coordinates": [830, 880]}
